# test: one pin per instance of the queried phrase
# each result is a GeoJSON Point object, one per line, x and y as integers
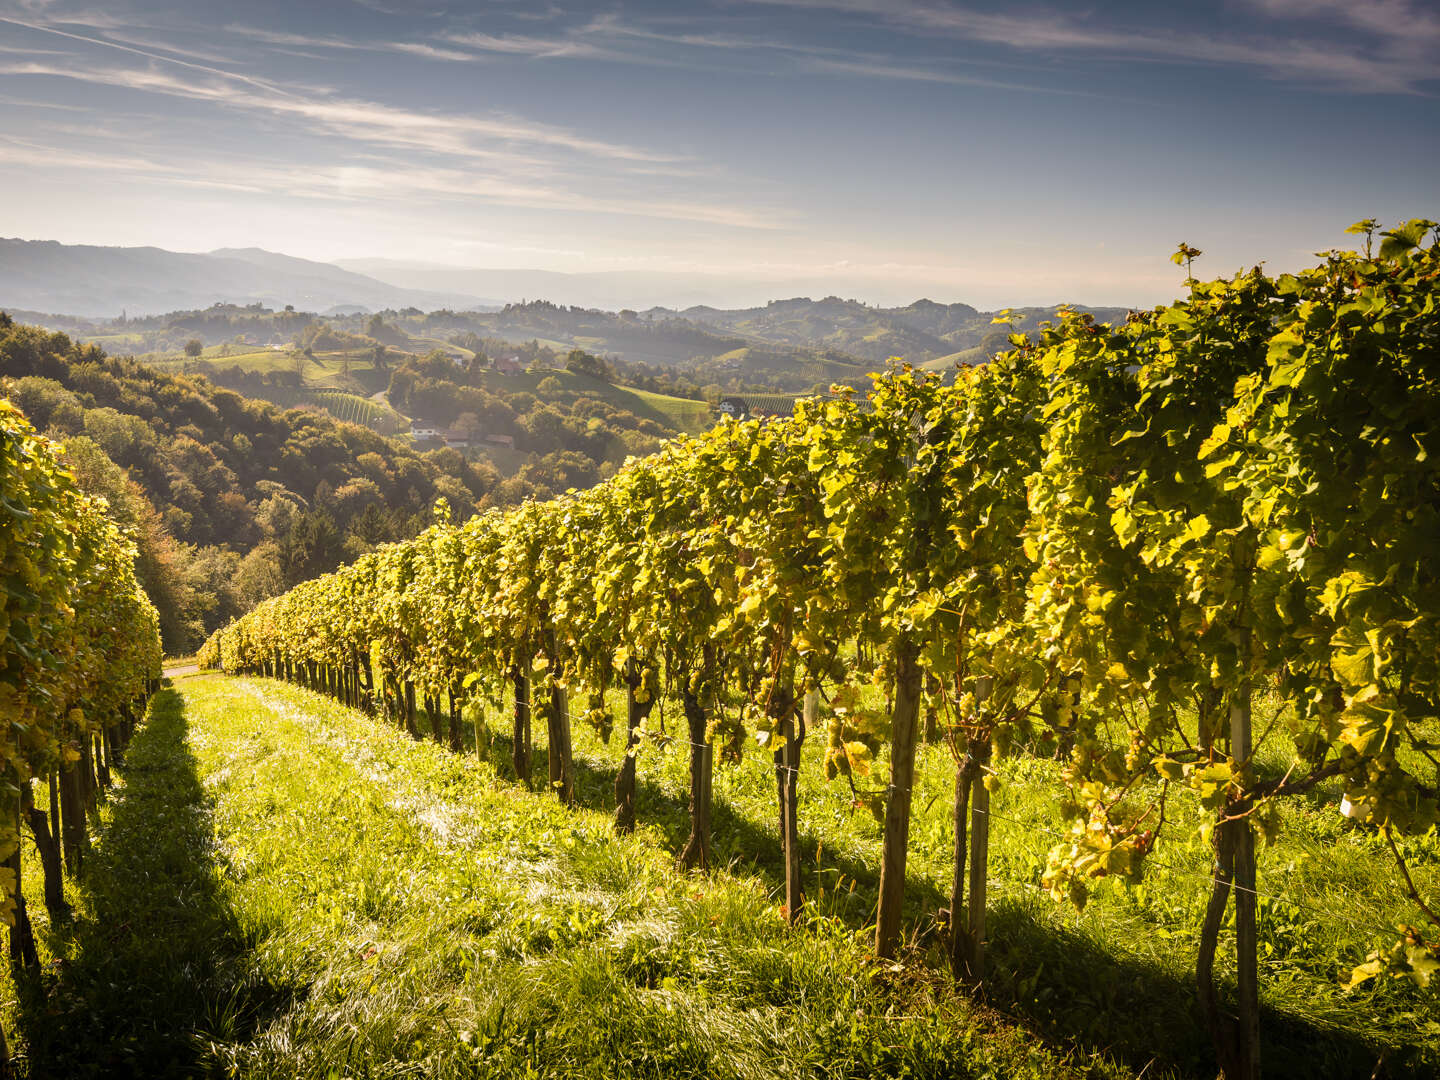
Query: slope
{"type": "Point", "coordinates": [44, 275]}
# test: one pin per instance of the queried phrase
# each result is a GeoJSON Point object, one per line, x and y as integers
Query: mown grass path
{"type": "Point", "coordinates": [284, 888]}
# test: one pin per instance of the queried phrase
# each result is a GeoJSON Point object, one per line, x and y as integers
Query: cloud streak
{"type": "Point", "coordinates": [535, 47]}
{"type": "Point", "coordinates": [147, 54]}
{"type": "Point", "coordinates": [329, 41]}
{"type": "Point", "coordinates": [454, 135]}
{"type": "Point", "coordinates": [1318, 61]}
{"type": "Point", "coordinates": [364, 183]}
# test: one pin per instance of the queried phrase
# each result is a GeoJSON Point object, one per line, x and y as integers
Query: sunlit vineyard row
{"type": "Point", "coordinates": [1170, 551]}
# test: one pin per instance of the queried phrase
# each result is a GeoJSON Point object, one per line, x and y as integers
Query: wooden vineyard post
{"type": "Point", "coordinates": [409, 706]}
{"type": "Point", "coordinates": [562, 770]}
{"type": "Point", "coordinates": [457, 740]}
{"type": "Point", "coordinates": [1246, 963]}
{"type": "Point", "coordinates": [979, 849]}
{"type": "Point", "coordinates": [696, 852]}
{"type": "Point", "coordinates": [47, 844]}
{"type": "Point", "coordinates": [520, 748]}
{"type": "Point", "coordinates": [636, 713]}
{"type": "Point", "coordinates": [965, 770]}
{"type": "Point", "coordinates": [22, 937]}
{"type": "Point", "coordinates": [432, 715]}
{"type": "Point", "coordinates": [787, 770]}
{"type": "Point", "coordinates": [904, 725]}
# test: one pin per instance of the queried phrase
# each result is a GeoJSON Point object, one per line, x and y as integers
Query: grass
{"type": "Point", "coordinates": [973, 355]}
{"type": "Point", "coordinates": [685, 414]}
{"type": "Point", "coordinates": [681, 413]}
{"type": "Point", "coordinates": [1116, 979]}
{"type": "Point", "coordinates": [284, 887]}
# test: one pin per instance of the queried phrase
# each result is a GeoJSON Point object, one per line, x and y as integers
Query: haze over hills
{"type": "Point", "coordinates": [613, 290]}
{"type": "Point", "coordinates": [80, 279]}
{"type": "Point", "coordinates": [604, 312]}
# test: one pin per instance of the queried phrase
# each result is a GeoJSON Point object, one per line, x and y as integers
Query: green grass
{"type": "Point", "coordinates": [680, 413]}
{"type": "Point", "coordinates": [685, 414]}
{"type": "Point", "coordinates": [114, 342]}
{"type": "Point", "coordinates": [216, 356]}
{"type": "Point", "coordinates": [353, 372]}
{"type": "Point", "coordinates": [1116, 978]}
{"type": "Point", "coordinates": [284, 887]}
{"type": "Point", "coordinates": [945, 363]}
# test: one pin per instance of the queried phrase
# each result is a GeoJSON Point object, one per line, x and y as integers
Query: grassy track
{"type": "Point", "coordinates": [283, 888]}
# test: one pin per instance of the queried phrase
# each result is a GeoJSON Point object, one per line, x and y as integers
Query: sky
{"type": "Point", "coordinates": [995, 153]}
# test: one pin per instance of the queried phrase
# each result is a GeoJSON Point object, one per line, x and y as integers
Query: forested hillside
{"type": "Point", "coordinates": [793, 345]}
{"type": "Point", "coordinates": [230, 500]}
{"type": "Point", "coordinates": [923, 333]}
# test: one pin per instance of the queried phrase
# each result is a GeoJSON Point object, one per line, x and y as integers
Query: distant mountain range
{"type": "Point", "coordinates": [42, 275]}
{"type": "Point", "coordinates": [648, 317]}
{"type": "Point", "coordinates": [761, 341]}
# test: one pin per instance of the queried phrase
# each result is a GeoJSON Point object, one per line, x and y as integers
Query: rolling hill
{"type": "Point", "coordinates": [82, 279]}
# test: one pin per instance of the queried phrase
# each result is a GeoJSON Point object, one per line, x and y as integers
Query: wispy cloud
{"type": "Point", "coordinates": [23, 103]}
{"type": "Point", "coordinates": [611, 25]}
{"type": "Point", "coordinates": [1402, 22]}
{"type": "Point", "coordinates": [524, 45]}
{"type": "Point", "coordinates": [330, 41]}
{"type": "Point", "coordinates": [871, 69]}
{"type": "Point", "coordinates": [136, 51]}
{"type": "Point", "coordinates": [430, 52]}
{"type": "Point", "coordinates": [1317, 60]}
{"type": "Point", "coordinates": [365, 183]}
{"type": "Point", "coordinates": [601, 37]}
{"type": "Point", "coordinates": [450, 134]}
{"type": "Point", "coordinates": [22, 50]}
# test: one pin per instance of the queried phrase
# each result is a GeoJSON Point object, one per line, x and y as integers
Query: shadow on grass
{"type": "Point", "coordinates": [744, 842]}
{"type": "Point", "coordinates": [1066, 987]}
{"type": "Point", "coordinates": [155, 966]}
{"type": "Point", "coordinates": [1071, 990]}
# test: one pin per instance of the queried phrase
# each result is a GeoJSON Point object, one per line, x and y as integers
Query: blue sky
{"type": "Point", "coordinates": [989, 152]}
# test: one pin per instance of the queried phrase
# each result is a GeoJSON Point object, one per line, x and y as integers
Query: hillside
{"type": "Point", "coordinates": [42, 275]}
{"type": "Point", "coordinates": [248, 469]}
{"type": "Point", "coordinates": [231, 498]}
{"type": "Point", "coordinates": [922, 332]}
{"type": "Point", "coordinates": [792, 345]}
{"type": "Point", "coordinates": [455, 919]}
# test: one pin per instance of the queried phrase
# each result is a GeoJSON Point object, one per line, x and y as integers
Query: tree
{"type": "Point", "coordinates": [468, 426]}
{"type": "Point", "coordinates": [582, 363]}
{"type": "Point", "coordinates": [194, 347]}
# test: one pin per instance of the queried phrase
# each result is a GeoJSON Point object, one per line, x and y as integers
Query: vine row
{"type": "Point", "coordinates": [1118, 541]}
